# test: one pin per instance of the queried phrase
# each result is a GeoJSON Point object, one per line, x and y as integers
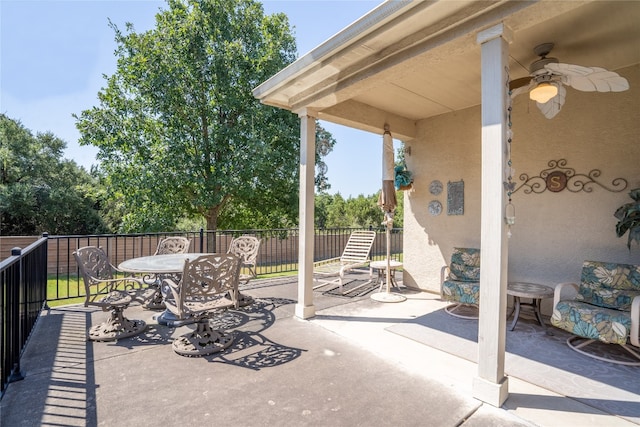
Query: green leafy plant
{"type": "Point", "coordinates": [629, 218]}
{"type": "Point", "coordinates": [403, 178]}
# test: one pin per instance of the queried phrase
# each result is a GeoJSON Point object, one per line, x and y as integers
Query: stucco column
{"type": "Point", "coordinates": [491, 385]}
{"type": "Point", "coordinates": [305, 308]}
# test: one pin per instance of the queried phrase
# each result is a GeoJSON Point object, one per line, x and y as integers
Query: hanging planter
{"type": "Point", "coordinates": [403, 178]}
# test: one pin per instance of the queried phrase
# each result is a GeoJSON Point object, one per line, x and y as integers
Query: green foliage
{"type": "Point", "coordinates": [629, 218]}
{"type": "Point", "coordinates": [362, 211]}
{"type": "Point", "coordinates": [39, 190]}
{"type": "Point", "coordinates": [178, 130]}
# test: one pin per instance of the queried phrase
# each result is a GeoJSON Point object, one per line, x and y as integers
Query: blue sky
{"type": "Point", "coordinates": [54, 54]}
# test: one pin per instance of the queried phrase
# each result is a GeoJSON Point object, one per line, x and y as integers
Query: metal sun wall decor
{"type": "Point", "coordinates": [559, 177]}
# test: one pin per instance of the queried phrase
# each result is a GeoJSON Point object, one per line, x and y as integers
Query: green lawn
{"type": "Point", "coordinates": [67, 290]}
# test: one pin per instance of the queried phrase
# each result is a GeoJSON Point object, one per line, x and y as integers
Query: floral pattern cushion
{"type": "Point", "coordinates": [609, 285]}
{"type": "Point", "coordinates": [462, 292]}
{"type": "Point", "coordinates": [465, 265]}
{"type": "Point", "coordinates": [463, 283]}
{"type": "Point", "coordinates": [603, 324]}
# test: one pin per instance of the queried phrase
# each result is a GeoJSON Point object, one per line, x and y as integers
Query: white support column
{"type": "Point", "coordinates": [491, 385]}
{"type": "Point", "coordinates": [305, 308]}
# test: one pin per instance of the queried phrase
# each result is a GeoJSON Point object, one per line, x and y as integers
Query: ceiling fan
{"type": "Point", "coordinates": [548, 77]}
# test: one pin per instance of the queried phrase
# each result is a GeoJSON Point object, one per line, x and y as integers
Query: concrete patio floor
{"type": "Point", "coordinates": [341, 368]}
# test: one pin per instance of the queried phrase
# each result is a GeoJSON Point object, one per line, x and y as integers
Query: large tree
{"type": "Point", "coordinates": [39, 190]}
{"type": "Point", "coordinates": [178, 129]}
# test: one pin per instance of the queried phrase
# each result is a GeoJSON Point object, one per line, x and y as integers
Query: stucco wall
{"type": "Point", "coordinates": [554, 232]}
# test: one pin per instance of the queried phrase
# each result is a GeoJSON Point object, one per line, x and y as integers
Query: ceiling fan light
{"type": "Point", "coordinates": [543, 92]}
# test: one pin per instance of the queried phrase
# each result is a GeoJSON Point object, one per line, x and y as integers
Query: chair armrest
{"type": "Point", "coordinates": [134, 281]}
{"type": "Point", "coordinates": [351, 265]}
{"type": "Point", "coordinates": [635, 321]}
{"type": "Point", "coordinates": [129, 277]}
{"type": "Point", "coordinates": [444, 273]}
{"type": "Point", "coordinates": [110, 285]}
{"type": "Point", "coordinates": [326, 261]}
{"type": "Point", "coordinates": [567, 291]}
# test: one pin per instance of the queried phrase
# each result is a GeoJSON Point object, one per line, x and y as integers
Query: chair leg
{"type": "Point", "coordinates": [202, 341]}
{"type": "Point", "coordinates": [116, 327]}
{"type": "Point", "coordinates": [452, 309]}
{"type": "Point", "coordinates": [244, 300]}
{"type": "Point", "coordinates": [578, 346]}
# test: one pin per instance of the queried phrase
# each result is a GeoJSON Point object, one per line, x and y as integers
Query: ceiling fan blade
{"type": "Point", "coordinates": [601, 81]}
{"type": "Point", "coordinates": [518, 83]}
{"type": "Point", "coordinates": [589, 79]}
{"type": "Point", "coordinates": [568, 69]}
{"type": "Point", "coordinates": [552, 107]}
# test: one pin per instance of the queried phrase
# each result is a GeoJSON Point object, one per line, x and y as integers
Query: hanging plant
{"type": "Point", "coordinates": [403, 178]}
{"type": "Point", "coordinates": [629, 218]}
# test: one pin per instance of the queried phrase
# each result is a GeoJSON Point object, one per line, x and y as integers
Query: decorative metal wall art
{"type": "Point", "coordinates": [559, 177]}
{"type": "Point", "coordinates": [435, 207]}
{"type": "Point", "coordinates": [435, 187]}
{"type": "Point", "coordinates": [455, 198]}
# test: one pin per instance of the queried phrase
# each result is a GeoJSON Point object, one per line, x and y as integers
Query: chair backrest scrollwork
{"type": "Point", "coordinates": [205, 281]}
{"type": "Point", "coordinates": [246, 247]}
{"type": "Point", "coordinates": [173, 245]}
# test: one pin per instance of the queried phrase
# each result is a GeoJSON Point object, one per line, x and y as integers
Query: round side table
{"type": "Point", "coordinates": [532, 291]}
{"type": "Point", "coordinates": [381, 268]}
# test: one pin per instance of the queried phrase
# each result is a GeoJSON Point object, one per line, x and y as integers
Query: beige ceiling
{"type": "Point", "coordinates": [404, 62]}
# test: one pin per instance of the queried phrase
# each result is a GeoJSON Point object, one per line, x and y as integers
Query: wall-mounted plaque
{"type": "Point", "coordinates": [455, 198]}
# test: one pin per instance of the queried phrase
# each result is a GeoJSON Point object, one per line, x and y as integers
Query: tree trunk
{"type": "Point", "coordinates": [212, 225]}
{"type": "Point", "coordinates": [212, 218]}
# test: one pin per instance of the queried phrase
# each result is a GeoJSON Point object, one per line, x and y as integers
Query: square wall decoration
{"type": "Point", "coordinates": [455, 198]}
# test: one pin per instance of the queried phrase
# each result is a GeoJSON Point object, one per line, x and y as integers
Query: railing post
{"type": "Point", "coordinates": [46, 263]}
{"type": "Point", "coordinates": [201, 240]}
{"type": "Point", "coordinates": [13, 304]}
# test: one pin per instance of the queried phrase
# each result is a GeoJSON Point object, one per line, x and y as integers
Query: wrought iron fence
{"type": "Point", "coordinates": [23, 288]}
{"type": "Point", "coordinates": [278, 251]}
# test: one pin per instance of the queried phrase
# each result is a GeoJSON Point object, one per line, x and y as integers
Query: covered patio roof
{"type": "Point", "coordinates": [406, 61]}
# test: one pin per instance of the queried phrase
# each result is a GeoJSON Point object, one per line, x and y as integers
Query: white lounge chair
{"type": "Point", "coordinates": [355, 254]}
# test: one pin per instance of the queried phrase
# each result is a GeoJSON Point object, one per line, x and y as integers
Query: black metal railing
{"type": "Point", "coordinates": [278, 251]}
{"type": "Point", "coordinates": [23, 288]}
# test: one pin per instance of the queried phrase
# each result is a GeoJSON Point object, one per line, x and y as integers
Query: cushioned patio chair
{"type": "Point", "coordinates": [208, 286]}
{"type": "Point", "coordinates": [173, 245]}
{"type": "Point", "coordinates": [460, 282]}
{"type": "Point", "coordinates": [109, 293]}
{"type": "Point", "coordinates": [604, 307]}
{"type": "Point", "coordinates": [356, 254]}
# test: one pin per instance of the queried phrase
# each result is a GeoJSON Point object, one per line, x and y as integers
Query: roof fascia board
{"type": "Point", "coordinates": [327, 93]}
{"type": "Point", "coordinates": [365, 25]}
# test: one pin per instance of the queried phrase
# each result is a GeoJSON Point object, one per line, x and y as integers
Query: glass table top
{"type": "Point", "coordinates": [171, 263]}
